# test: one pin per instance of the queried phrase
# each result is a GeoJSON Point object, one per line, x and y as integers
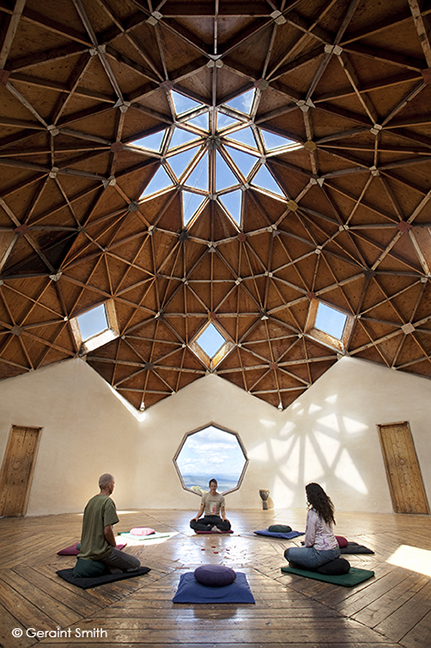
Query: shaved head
{"type": "Point", "coordinates": [105, 480]}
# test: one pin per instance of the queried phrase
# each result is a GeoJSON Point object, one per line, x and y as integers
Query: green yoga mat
{"type": "Point", "coordinates": [352, 578]}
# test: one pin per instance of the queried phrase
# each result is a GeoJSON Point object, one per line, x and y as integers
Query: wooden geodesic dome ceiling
{"type": "Point", "coordinates": [224, 161]}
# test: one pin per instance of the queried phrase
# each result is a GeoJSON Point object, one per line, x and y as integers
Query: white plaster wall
{"type": "Point", "coordinates": [86, 431]}
{"type": "Point", "coordinates": [328, 435]}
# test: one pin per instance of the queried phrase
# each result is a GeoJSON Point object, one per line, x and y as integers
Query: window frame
{"type": "Point", "coordinates": [222, 429]}
{"type": "Point", "coordinates": [111, 318]}
{"type": "Point", "coordinates": [339, 344]}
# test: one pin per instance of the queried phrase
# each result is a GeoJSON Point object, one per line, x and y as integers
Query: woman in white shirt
{"type": "Point", "coordinates": [320, 545]}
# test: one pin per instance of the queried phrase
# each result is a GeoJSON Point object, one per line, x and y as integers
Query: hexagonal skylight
{"type": "Point", "coordinates": [213, 155]}
{"type": "Point", "coordinates": [211, 453]}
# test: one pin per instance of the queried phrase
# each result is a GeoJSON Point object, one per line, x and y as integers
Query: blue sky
{"type": "Point", "coordinates": [212, 452]}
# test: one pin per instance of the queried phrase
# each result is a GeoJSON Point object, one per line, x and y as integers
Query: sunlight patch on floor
{"type": "Point", "coordinates": [413, 558]}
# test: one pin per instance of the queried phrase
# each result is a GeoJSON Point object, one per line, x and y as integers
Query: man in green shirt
{"type": "Point", "coordinates": [97, 537]}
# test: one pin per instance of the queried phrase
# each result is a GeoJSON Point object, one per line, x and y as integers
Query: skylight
{"type": "Point", "coordinates": [95, 327]}
{"type": "Point", "coordinates": [330, 321]}
{"type": "Point", "coordinates": [151, 142]}
{"type": "Point", "coordinates": [92, 322]}
{"type": "Point", "coordinates": [264, 179]}
{"type": "Point", "coordinates": [210, 340]}
{"type": "Point", "coordinates": [191, 204]}
{"type": "Point", "coordinates": [213, 155]}
{"type": "Point", "coordinates": [273, 141]}
{"type": "Point", "coordinates": [184, 104]}
{"type": "Point", "coordinates": [232, 201]}
{"type": "Point", "coordinates": [242, 102]}
{"type": "Point", "coordinates": [159, 182]}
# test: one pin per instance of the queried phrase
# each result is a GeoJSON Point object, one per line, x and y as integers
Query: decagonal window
{"type": "Point", "coordinates": [211, 453]}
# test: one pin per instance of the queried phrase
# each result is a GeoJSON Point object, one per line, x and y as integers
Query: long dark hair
{"type": "Point", "coordinates": [319, 500]}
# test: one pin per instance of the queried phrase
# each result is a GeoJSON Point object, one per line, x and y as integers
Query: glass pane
{"type": "Point", "coordinates": [273, 141]}
{"type": "Point", "coordinates": [180, 161]}
{"type": "Point", "coordinates": [198, 179]}
{"type": "Point", "coordinates": [264, 179]}
{"type": "Point", "coordinates": [200, 122]}
{"type": "Point", "coordinates": [224, 176]}
{"type": "Point", "coordinates": [183, 104]}
{"type": "Point", "coordinates": [243, 161]}
{"type": "Point", "coordinates": [92, 322]}
{"type": "Point", "coordinates": [244, 136]}
{"type": "Point", "coordinates": [330, 321]}
{"type": "Point", "coordinates": [180, 137]}
{"type": "Point", "coordinates": [191, 203]}
{"type": "Point", "coordinates": [223, 121]}
{"type": "Point", "coordinates": [160, 181]}
{"type": "Point", "coordinates": [232, 202]}
{"type": "Point", "coordinates": [211, 454]}
{"type": "Point", "coordinates": [151, 142]}
{"type": "Point", "coordinates": [243, 102]}
{"type": "Point", "coordinates": [210, 340]}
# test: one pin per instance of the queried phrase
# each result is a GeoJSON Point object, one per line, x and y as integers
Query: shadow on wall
{"type": "Point", "coordinates": [316, 444]}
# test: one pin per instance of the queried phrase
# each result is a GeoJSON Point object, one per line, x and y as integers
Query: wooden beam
{"type": "Point", "coordinates": [9, 36]}
{"type": "Point", "coordinates": [423, 29]}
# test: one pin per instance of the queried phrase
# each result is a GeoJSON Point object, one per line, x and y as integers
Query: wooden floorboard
{"type": "Point", "coordinates": [392, 609]}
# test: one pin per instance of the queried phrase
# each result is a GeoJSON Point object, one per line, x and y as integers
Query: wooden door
{"type": "Point", "coordinates": [17, 470]}
{"type": "Point", "coordinates": [402, 469]}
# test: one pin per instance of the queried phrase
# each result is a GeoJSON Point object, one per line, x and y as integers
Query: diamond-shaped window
{"type": "Point", "coordinates": [95, 327]}
{"type": "Point", "coordinates": [210, 340]}
{"type": "Point", "coordinates": [210, 345]}
{"type": "Point", "coordinates": [329, 325]}
{"type": "Point", "coordinates": [331, 321]}
{"type": "Point", "coordinates": [211, 453]}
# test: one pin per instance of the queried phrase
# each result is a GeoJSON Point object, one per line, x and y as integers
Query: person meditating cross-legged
{"type": "Point", "coordinates": [213, 504]}
{"type": "Point", "coordinates": [97, 539]}
{"type": "Point", "coordinates": [320, 545]}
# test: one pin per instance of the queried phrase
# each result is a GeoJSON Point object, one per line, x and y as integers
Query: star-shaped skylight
{"type": "Point", "coordinates": [213, 154]}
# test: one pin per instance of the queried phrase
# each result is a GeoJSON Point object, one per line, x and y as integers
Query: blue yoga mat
{"type": "Point", "coordinates": [190, 591]}
{"type": "Point", "coordinates": [286, 536]}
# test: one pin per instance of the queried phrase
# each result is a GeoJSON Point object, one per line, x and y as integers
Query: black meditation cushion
{"type": "Point", "coordinates": [279, 528]}
{"type": "Point", "coordinates": [335, 567]}
{"type": "Point", "coordinates": [214, 575]}
{"type": "Point", "coordinates": [89, 568]}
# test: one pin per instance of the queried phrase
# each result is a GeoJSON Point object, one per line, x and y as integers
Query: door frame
{"type": "Point", "coordinates": [385, 462]}
{"type": "Point", "coordinates": [33, 463]}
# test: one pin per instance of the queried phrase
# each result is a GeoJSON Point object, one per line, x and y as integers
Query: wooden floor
{"type": "Point", "coordinates": [392, 609]}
